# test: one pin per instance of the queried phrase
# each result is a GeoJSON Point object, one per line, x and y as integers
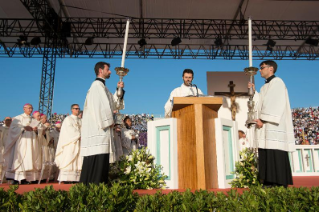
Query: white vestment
{"type": "Point", "coordinates": [243, 144]}
{"type": "Point", "coordinates": [21, 154]}
{"type": "Point", "coordinates": [127, 144]}
{"type": "Point", "coordinates": [274, 108]}
{"type": "Point", "coordinates": [67, 157]}
{"type": "Point", "coordinates": [180, 92]}
{"type": "Point", "coordinates": [97, 121]}
{"type": "Point", "coordinates": [118, 147]}
{"type": "Point", "coordinates": [55, 135]}
{"type": "Point", "coordinates": [4, 130]}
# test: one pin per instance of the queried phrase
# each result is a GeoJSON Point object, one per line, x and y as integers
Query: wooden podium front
{"type": "Point", "coordinates": [197, 159]}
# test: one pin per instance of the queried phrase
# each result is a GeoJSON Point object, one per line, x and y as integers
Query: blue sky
{"type": "Point", "coordinates": [147, 85]}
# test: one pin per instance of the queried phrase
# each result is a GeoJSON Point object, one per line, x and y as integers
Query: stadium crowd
{"type": "Point", "coordinates": [306, 125]}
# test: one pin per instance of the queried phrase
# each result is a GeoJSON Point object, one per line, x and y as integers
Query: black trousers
{"type": "Point", "coordinates": [274, 167]}
{"type": "Point", "coordinates": [95, 169]}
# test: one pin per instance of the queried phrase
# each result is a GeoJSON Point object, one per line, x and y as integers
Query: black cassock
{"type": "Point", "coordinates": [274, 167]}
{"type": "Point", "coordinates": [95, 169]}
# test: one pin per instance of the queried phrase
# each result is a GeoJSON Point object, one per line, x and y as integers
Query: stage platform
{"type": "Point", "coordinates": [304, 181]}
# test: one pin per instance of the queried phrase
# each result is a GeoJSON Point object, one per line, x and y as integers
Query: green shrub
{"type": "Point", "coordinates": [246, 170]}
{"type": "Point", "coordinates": [10, 200]}
{"type": "Point", "coordinates": [138, 170]}
{"type": "Point", "coordinates": [122, 198]}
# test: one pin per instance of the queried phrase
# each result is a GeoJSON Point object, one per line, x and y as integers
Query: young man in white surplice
{"type": "Point", "coordinates": [129, 137]}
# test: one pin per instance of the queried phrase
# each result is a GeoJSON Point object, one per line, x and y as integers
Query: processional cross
{"type": "Point", "coordinates": [232, 95]}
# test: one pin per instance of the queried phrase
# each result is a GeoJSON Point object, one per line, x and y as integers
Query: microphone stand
{"type": "Point", "coordinates": [195, 87]}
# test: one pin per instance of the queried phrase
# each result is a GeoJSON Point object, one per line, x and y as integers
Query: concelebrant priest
{"type": "Point", "coordinates": [21, 148]}
{"type": "Point", "coordinates": [67, 157]}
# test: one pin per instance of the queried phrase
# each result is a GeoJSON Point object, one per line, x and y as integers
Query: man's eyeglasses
{"type": "Point", "coordinates": [76, 108]}
{"type": "Point", "coordinates": [261, 68]}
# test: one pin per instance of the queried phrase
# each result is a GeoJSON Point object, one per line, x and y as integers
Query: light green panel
{"type": "Point", "coordinates": [300, 160]}
{"type": "Point", "coordinates": [230, 151]}
{"type": "Point", "coordinates": [316, 154]}
{"type": "Point", "coordinates": [158, 145]}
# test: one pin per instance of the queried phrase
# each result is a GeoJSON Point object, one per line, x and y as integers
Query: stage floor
{"type": "Point", "coordinates": [308, 181]}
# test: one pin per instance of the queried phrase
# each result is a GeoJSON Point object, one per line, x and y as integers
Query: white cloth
{"type": "Point", "coordinates": [243, 144]}
{"type": "Point", "coordinates": [43, 135]}
{"type": "Point", "coordinates": [274, 108]}
{"type": "Point", "coordinates": [127, 144]}
{"type": "Point", "coordinates": [179, 92]}
{"type": "Point", "coordinates": [97, 121]}
{"type": "Point", "coordinates": [118, 146]}
{"type": "Point", "coordinates": [55, 135]}
{"type": "Point", "coordinates": [4, 131]}
{"type": "Point", "coordinates": [21, 154]}
{"type": "Point", "coordinates": [67, 157]}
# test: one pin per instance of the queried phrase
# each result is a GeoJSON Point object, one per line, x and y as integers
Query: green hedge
{"type": "Point", "coordinates": [122, 198]}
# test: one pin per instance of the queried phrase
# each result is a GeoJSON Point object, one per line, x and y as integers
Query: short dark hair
{"type": "Point", "coordinates": [241, 131]}
{"type": "Point", "coordinates": [74, 105]}
{"type": "Point", "coordinates": [188, 71]}
{"type": "Point", "coordinates": [126, 118]}
{"type": "Point", "coordinates": [100, 65]}
{"type": "Point", "coordinates": [270, 63]}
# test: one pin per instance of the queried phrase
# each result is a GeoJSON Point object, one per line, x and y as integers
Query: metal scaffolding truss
{"type": "Point", "coordinates": [239, 52]}
{"type": "Point", "coordinates": [63, 37]}
{"type": "Point", "coordinates": [162, 28]}
{"type": "Point", "coordinates": [48, 23]}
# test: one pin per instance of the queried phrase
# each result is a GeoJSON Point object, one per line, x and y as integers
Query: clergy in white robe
{"type": "Point", "coordinates": [68, 158]}
{"type": "Point", "coordinates": [186, 89]}
{"type": "Point", "coordinates": [4, 131]}
{"type": "Point", "coordinates": [274, 134]}
{"type": "Point", "coordinates": [20, 155]}
{"type": "Point", "coordinates": [97, 127]}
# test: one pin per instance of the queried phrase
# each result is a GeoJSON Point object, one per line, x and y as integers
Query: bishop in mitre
{"type": "Point", "coordinates": [21, 159]}
{"type": "Point", "coordinates": [67, 157]}
{"type": "Point", "coordinates": [185, 90]}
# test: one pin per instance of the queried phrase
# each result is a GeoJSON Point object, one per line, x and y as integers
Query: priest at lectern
{"type": "Point", "coordinates": [186, 89]}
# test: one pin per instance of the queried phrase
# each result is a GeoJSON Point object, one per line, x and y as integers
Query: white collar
{"type": "Point", "coordinates": [186, 86]}
{"type": "Point", "coordinates": [26, 115]}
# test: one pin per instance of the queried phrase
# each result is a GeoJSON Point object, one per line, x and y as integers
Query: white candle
{"type": "Point", "coordinates": [125, 42]}
{"type": "Point", "coordinates": [250, 43]}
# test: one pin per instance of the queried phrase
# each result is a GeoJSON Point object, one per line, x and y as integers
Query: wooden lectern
{"type": "Point", "coordinates": [197, 159]}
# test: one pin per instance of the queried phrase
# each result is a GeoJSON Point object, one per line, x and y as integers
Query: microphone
{"type": "Point", "coordinates": [190, 84]}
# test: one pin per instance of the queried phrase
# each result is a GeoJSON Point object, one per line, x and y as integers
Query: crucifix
{"type": "Point", "coordinates": [307, 158]}
{"type": "Point", "coordinates": [232, 95]}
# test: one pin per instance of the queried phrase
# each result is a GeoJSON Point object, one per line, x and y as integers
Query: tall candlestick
{"type": "Point", "coordinates": [250, 43]}
{"type": "Point", "coordinates": [125, 42]}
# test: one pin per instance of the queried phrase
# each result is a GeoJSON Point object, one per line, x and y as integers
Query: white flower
{"type": "Point", "coordinates": [128, 170]}
{"type": "Point", "coordinates": [130, 158]}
